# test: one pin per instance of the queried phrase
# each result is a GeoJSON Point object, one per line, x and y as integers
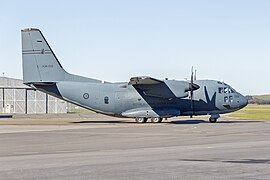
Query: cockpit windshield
{"type": "Point", "coordinates": [226, 89]}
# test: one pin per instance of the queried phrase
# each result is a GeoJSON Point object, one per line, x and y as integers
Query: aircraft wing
{"type": "Point", "coordinates": [143, 80]}
{"type": "Point", "coordinates": [148, 86]}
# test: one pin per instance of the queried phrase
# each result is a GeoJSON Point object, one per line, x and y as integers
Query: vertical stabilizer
{"type": "Point", "coordinates": [39, 62]}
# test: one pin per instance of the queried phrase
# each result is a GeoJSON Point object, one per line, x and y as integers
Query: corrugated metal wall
{"type": "Point", "coordinates": [15, 97]}
{"type": "Point", "coordinates": [29, 101]}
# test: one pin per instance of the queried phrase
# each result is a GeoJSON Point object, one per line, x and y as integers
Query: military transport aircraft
{"type": "Point", "coordinates": [141, 98]}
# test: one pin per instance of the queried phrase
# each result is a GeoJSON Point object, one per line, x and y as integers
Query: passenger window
{"type": "Point", "coordinates": [231, 99]}
{"type": "Point", "coordinates": [220, 90]}
{"type": "Point", "coordinates": [226, 99]}
{"type": "Point", "coordinates": [106, 100]}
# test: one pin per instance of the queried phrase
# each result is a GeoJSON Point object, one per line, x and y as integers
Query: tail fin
{"type": "Point", "coordinates": [40, 63]}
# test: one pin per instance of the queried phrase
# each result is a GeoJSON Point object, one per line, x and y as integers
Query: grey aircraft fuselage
{"type": "Point", "coordinates": [140, 98]}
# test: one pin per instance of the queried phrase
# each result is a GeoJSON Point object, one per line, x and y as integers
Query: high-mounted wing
{"type": "Point", "coordinates": [168, 89]}
{"type": "Point", "coordinates": [143, 80]}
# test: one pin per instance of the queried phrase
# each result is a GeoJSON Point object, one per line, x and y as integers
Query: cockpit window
{"type": "Point", "coordinates": [220, 90]}
{"type": "Point", "coordinates": [225, 90]}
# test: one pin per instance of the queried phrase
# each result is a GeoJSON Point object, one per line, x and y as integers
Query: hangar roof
{"type": "Point", "coordinates": [6, 82]}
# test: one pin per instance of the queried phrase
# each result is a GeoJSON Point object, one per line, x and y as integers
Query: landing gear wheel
{"type": "Point", "coordinates": [156, 120]}
{"type": "Point", "coordinates": [212, 120]}
{"type": "Point", "coordinates": [141, 120]}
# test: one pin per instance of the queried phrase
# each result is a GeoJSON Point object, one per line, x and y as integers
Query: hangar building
{"type": "Point", "coordinates": [15, 97]}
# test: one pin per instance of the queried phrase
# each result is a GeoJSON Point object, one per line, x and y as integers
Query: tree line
{"type": "Point", "coordinates": [255, 100]}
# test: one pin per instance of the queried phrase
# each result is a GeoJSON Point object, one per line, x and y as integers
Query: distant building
{"type": "Point", "coordinates": [15, 97]}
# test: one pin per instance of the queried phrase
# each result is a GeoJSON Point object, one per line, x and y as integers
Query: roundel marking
{"type": "Point", "coordinates": [85, 95]}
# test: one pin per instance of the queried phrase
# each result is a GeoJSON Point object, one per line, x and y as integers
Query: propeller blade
{"type": "Point", "coordinates": [193, 87]}
{"type": "Point", "coordinates": [191, 92]}
{"type": "Point", "coordinates": [191, 78]}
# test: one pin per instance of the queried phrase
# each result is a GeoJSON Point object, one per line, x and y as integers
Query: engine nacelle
{"type": "Point", "coordinates": [179, 88]}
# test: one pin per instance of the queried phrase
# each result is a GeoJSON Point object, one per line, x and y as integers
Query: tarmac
{"type": "Point", "coordinates": [101, 147]}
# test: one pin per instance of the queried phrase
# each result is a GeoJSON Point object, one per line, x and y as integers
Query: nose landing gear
{"type": "Point", "coordinates": [213, 118]}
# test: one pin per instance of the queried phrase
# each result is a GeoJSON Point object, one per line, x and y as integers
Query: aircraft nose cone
{"type": "Point", "coordinates": [243, 101]}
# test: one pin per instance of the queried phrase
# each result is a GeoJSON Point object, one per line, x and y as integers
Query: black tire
{"type": "Point", "coordinates": [141, 120]}
{"type": "Point", "coordinates": [156, 120]}
{"type": "Point", "coordinates": [212, 120]}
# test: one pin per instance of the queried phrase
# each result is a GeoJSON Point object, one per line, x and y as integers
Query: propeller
{"type": "Point", "coordinates": [193, 87]}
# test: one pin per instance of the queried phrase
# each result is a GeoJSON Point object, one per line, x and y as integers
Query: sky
{"type": "Point", "coordinates": [114, 40]}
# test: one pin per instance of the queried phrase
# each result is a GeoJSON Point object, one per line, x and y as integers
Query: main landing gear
{"type": "Point", "coordinates": [156, 120]}
{"type": "Point", "coordinates": [144, 119]}
{"type": "Point", "coordinates": [141, 120]}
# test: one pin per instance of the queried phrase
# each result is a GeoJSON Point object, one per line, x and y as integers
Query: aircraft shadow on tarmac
{"type": "Point", "coordinates": [6, 116]}
{"type": "Point", "coordinates": [100, 122]}
{"type": "Point", "coordinates": [189, 121]}
{"type": "Point", "coordinates": [131, 122]}
{"type": "Point", "coordinates": [241, 161]}
{"type": "Point", "coordinates": [218, 122]}
{"type": "Point", "coordinates": [239, 121]}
